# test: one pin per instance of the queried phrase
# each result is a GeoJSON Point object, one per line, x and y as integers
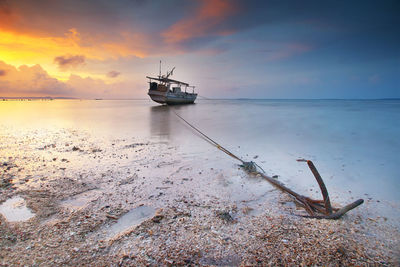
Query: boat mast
{"type": "Point", "coordinates": [159, 76]}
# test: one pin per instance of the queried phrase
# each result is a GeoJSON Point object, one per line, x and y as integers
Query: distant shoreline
{"type": "Point", "coordinates": [208, 99]}
{"type": "Point", "coordinates": [36, 98]}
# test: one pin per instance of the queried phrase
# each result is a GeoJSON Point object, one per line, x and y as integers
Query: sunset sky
{"type": "Point", "coordinates": [228, 49]}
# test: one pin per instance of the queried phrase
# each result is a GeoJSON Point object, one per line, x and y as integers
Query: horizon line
{"type": "Point", "coordinates": [208, 98]}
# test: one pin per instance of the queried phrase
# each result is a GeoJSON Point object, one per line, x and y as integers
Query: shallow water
{"type": "Point", "coordinates": [15, 210]}
{"type": "Point", "coordinates": [132, 218]}
{"type": "Point", "coordinates": [81, 200]}
{"type": "Point", "coordinates": [354, 144]}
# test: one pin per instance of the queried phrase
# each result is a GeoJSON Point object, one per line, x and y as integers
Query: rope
{"type": "Point", "coordinates": [249, 165]}
{"type": "Point", "coordinates": [204, 97]}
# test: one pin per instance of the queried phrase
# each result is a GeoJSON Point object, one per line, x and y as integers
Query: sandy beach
{"type": "Point", "coordinates": [199, 133]}
{"type": "Point", "coordinates": [81, 199]}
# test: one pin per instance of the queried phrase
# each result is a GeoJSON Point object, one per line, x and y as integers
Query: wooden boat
{"type": "Point", "coordinates": [164, 90]}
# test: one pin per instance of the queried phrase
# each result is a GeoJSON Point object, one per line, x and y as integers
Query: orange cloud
{"type": "Point", "coordinates": [6, 16]}
{"type": "Point", "coordinates": [34, 81]}
{"type": "Point", "coordinates": [97, 88]}
{"type": "Point", "coordinates": [29, 49]}
{"type": "Point", "coordinates": [27, 37]}
{"type": "Point", "coordinates": [31, 81]}
{"type": "Point", "coordinates": [205, 22]}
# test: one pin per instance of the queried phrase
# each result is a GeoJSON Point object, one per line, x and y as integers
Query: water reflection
{"type": "Point", "coordinates": [131, 219]}
{"type": "Point", "coordinates": [165, 124]}
{"type": "Point", "coordinates": [160, 121]}
{"type": "Point", "coordinates": [15, 210]}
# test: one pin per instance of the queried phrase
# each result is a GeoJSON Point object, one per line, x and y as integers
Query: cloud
{"type": "Point", "coordinates": [113, 74]}
{"type": "Point", "coordinates": [112, 29]}
{"type": "Point", "coordinates": [87, 87]}
{"type": "Point", "coordinates": [36, 82]}
{"type": "Point", "coordinates": [69, 61]}
{"type": "Point", "coordinates": [96, 88]}
{"type": "Point", "coordinates": [17, 48]}
{"type": "Point", "coordinates": [30, 81]}
{"type": "Point", "coordinates": [205, 22]}
{"type": "Point", "coordinates": [101, 29]}
{"type": "Point", "coordinates": [6, 16]}
{"type": "Point", "coordinates": [2, 72]}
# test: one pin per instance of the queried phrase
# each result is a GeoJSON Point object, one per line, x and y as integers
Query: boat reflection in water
{"type": "Point", "coordinates": [164, 124]}
{"type": "Point", "coordinates": [160, 121]}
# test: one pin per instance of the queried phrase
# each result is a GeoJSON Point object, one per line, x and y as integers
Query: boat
{"type": "Point", "coordinates": [164, 90]}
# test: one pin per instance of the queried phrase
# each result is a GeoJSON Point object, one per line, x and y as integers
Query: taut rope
{"type": "Point", "coordinates": [312, 206]}
{"type": "Point", "coordinates": [248, 165]}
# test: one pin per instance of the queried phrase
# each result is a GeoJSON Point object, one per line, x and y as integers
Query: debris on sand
{"type": "Point", "coordinates": [224, 215]}
{"type": "Point", "coordinates": [5, 182]}
{"type": "Point", "coordinates": [135, 145]}
{"type": "Point", "coordinates": [75, 148]}
{"type": "Point", "coordinates": [158, 216]}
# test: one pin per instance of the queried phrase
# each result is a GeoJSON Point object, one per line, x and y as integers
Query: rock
{"type": "Point", "coordinates": [111, 216]}
{"type": "Point", "coordinates": [157, 218]}
{"type": "Point", "coordinates": [224, 215]}
{"type": "Point", "coordinates": [246, 210]}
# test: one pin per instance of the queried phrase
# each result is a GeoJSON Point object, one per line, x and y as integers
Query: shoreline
{"type": "Point", "coordinates": [144, 202]}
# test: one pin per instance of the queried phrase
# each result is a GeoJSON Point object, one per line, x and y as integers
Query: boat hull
{"type": "Point", "coordinates": [171, 98]}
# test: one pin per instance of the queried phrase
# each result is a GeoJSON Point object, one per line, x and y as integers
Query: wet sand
{"type": "Point", "coordinates": [100, 201]}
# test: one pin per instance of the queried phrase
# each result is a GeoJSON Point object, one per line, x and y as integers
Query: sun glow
{"type": "Point", "coordinates": [23, 49]}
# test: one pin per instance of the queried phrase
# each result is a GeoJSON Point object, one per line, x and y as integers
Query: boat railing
{"type": "Point", "coordinates": [168, 82]}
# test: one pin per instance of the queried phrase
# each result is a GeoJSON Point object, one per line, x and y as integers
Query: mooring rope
{"type": "Point", "coordinates": [248, 165]}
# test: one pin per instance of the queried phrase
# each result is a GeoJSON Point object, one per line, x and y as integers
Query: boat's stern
{"type": "Point", "coordinates": [159, 97]}
{"type": "Point", "coordinates": [158, 92]}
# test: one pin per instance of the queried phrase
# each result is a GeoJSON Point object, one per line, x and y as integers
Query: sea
{"type": "Point", "coordinates": [355, 144]}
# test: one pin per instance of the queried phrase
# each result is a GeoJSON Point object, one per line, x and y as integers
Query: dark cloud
{"type": "Point", "coordinates": [4, 7]}
{"type": "Point", "coordinates": [68, 61]}
{"type": "Point", "coordinates": [102, 17]}
{"type": "Point", "coordinates": [2, 72]}
{"type": "Point", "coordinates": [113, 74]}
{"type": "Point", "coordinates": [193, 25]}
